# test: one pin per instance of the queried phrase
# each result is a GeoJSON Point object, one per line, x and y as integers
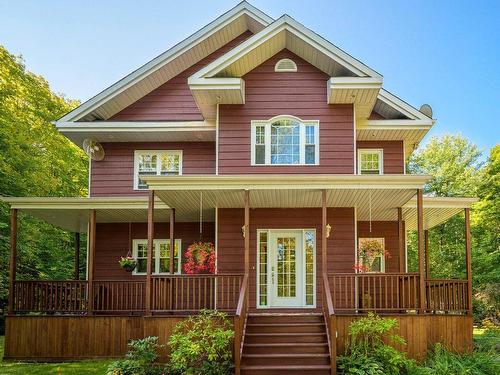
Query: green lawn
{"type": "Point", "coordinates": [68, 368]}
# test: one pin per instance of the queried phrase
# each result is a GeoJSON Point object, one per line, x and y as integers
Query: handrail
{"type": "Point", "coordinates": [240, 322]}
{"type": "Point", "coordinates": [330, 324]}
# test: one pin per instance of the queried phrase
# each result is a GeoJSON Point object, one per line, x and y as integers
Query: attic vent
{"type": "Point", "coordinates": [285, 65]}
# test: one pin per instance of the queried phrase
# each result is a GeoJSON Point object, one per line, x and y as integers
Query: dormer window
{"type": "Point", "coordinates": [156, 163]}
{"type": "Point", "coordinates": [370, 161]}
{"type": "Point", "coordinates": [285, 65]}
{"type": "Point", "coordinates": [285, 140]}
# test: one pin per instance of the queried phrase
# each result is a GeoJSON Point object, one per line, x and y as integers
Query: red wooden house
{"type": "Point", "coordinates": [265, 139]}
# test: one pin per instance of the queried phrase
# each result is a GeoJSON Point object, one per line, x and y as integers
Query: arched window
{"type": "Point", "coordinates": [285, 140]}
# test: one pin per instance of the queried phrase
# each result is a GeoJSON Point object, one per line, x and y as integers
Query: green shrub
{"type": "Point", "coordinates": [140, 359]}
{"type": "Point", "coordinates": [444, 362]}
{"type": "Point", "coordinates": [490, 339]}
{"type": "Point", "coordinates": [201, 344]}
{"type": "Point", "coordinates": [369, 350]}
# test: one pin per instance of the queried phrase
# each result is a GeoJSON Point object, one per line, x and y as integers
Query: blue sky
{"type": "Point", "coordinates": [445, 53]}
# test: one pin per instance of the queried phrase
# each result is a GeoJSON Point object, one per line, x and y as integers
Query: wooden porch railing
{"type": "Point", "coordinates": [447, 295]}
{"type": "Point", "coordinates": [50, 296]}
{"type": "Point", "coordinates": [240, 322]}
{"type": "Point", "coordinates": [196, 292]}
{"type": "Point", "coordinates": [119, 296]}
{"type": "Point", "coordinates": [330, 323]}
{"type": "Point", "coordinates": [374, 291]}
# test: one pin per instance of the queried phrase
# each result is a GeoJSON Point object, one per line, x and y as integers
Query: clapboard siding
{"type": "Point", "coordinates": [173, 100]}
{"type": "Point", "coordinates": [301, 94]}
{"type": "Point", "coordinates": [115, 174]}
{"type": "Point", "coordinates": [230, 256]}
{"type": "Point", "coordinates": [393, 154]}
{"type": "Point", "coordinates": [112, 243]}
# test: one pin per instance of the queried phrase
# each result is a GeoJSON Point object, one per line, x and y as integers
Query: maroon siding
{"type": "Point", "coordinates": [393, 154]}
{"type": "Point", "coordinates": [389, 231]}
{"type": "Point", "coordinates": [173, 100]}
{"type": "Point", "coordinates": [115, 174]}
{"type": "Point", "coordinates": [301, 94]}
{"type": "Point", "coordinates": [231, 246]}
{"type": "Point", "coordinates": [112, 243]}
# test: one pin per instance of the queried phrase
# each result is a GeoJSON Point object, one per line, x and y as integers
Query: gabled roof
{"type": "Point", "coordinates": [170, 63]}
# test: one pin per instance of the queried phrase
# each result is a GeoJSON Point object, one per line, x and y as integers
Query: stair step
{"type": "Point", "coordinates": [276, 348]}
{"type": "Point", "coordinates": [285, 327]}
{"type": "Point", "coordinates": [290, 359]}
{"type": "Point", "coordinates": [255, 338]}
{"type": "Point", "coordinates": [285, 318]}
{"type": "Point", "coordinates": [286, 369]}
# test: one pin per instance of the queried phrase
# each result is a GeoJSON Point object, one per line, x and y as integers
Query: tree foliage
{"type": "Point", "coordinates": [457, 171]}
{"type": "Point", "coordinates": [35, 160]}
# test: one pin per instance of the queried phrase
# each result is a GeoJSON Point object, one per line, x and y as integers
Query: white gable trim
{"type": "Point", "coordinates": [401, 106]}
{"type": "Point", "coordinates": [243, 8]}
{"type": "Point", "coordinates": [286, 23]}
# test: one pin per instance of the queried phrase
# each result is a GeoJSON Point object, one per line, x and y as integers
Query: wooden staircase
{"type": "Point", "coordinates": [285, 344]}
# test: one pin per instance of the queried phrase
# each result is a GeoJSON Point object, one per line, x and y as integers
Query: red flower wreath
{"type": "Point", "coordinates": [200, 258]}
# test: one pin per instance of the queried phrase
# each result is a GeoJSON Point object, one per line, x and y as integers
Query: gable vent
{"type": "Point", "coordinates": [285, 65]}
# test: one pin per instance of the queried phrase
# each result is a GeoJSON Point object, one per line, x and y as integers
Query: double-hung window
{"type": "Point", "coordinates": [370, 161]}
{"type": "Point", "coordinates": [285, 140]}
{"type": "Point", "coordinates": [156, 163]}
{"type": "Point", "coordinates": [161, 256]}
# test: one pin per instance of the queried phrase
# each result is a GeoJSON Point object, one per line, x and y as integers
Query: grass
{"type": "Point", "coordinates": [67, 368]}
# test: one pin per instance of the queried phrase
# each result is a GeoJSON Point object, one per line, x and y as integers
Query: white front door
{"type": "Point", "coordinates": [286, 266]}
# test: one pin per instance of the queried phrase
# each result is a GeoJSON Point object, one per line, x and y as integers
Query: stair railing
{"type": "Point", "coordinates": [330, 324]}
{"type": "Point", "coordinates": [240, 322]}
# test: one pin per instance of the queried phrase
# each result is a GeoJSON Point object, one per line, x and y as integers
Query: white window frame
{"type": "Point", "coordinates": [156, 260]}
{"type": "Point", "coordinates": [302, 135]}
{"type": "Point", "coordinates": [382, 260]}
{"type": "Point", "coordinates": [158, 154]}
{"type": "Point", "coordinates": [380, 153]}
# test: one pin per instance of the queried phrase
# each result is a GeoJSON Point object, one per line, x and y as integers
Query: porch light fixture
{"type": "Point", "coordinates": [243, 231]}
{"type": "Point", "coordinates": [328, 230]}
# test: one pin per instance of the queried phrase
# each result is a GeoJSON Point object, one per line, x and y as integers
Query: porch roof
{"type": "Point", "coordinates": [72, 213]}
{"type": "Point", "coordinates": [383, 193]}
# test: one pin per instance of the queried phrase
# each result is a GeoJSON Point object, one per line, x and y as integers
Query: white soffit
{"type": "Point", "coordinates": [137, 131]}
{"type": "Point", "coordinates": [437, 210]}
{"type": "Point", "coordinates": [162, 68]}
{"type": "Point", "coordinates": [72, 214]}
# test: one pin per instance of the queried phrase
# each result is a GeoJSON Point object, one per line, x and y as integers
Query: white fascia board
{"type": "Point", "coordinates": [287, 23]}
{"type": "Point", "coordinates": [166, 57]}
{"type": "Point", "coordinates": [139, 126]}
{"type": "Point", "coordinates": [403, 107]}
{"type": "Point", "coordinates": [442, 202]}
{"type": "Point", "coordinates": [398, 124]}
{"type": "Point", "coordinates": [215, 83]}
{"type": "Point", "coordinates": [355, 83]}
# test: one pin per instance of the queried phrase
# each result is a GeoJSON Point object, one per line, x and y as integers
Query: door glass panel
{"type": "Point", "coordinates": [286, 262]}
{"type": "Point", "coordinates": [309, 256]}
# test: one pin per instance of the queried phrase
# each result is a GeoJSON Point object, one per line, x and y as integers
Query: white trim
{"type": "Point", "coordinates": [398, 124]}
{"type": "Point", "coordinates": [217, 140]}
{"type": "Point", "coordinates": [69, 126]}
{"type": "Point", "coordinates": [355, 141]}
{"type": "Point", "coordinates": [404, 156]}
{"type": "Point", "coordinates": [287, 23]}
{"type": "Point", "coordinates": [156, 259]}
{"type": "Point", "coordinates": [119, 87]}
{"type": "Point", "coordinates": [302, 288]}
{"type": "Point", "coordinates": [267, 126]}
{"type": "Point", "coordinates": [378, 151]}
{"type": "Point", "coordinates": [406, 249]}
{"type": "Point", "coordinates": [401, 106]}
{"type": "Point", "coordinates": [158, 154]}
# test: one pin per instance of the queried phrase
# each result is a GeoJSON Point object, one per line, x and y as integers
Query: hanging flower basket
{"type": "Point", "coordinates": [128, 263]}
{"type": "Point", "coordinates": [368, 251]}
{"type": "Point", "coordinates": [200, 258]}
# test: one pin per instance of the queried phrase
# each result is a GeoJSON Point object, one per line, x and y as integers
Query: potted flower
{"type": "Point", "coordinates": [369, 250]}
{"type": "Point", "coordinates": [128, 263]}
{"type": "Point", "coordinates": [200, 258]}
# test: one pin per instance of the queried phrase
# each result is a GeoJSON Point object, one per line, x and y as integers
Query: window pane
{"type": "Point", "coordinates": [310, 154]}
{"type": "Point", "coordinates": [370, 163]}
{"type": "Point", "coordinates": [285, 142]}
{"type": "Point", "coordinates": [260, 154]}
{"type": "Point", "coordinates": [169, 164]}
{"type": "Point", "coordinates": [309, 237]}
{"type": "Point", "coordinates": [263, 268]}
{"type": "Point", "coordinates": [147, 167]}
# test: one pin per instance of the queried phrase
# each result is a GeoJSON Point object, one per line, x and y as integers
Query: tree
{"type": "Point", "coordinates": [35, 160]}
